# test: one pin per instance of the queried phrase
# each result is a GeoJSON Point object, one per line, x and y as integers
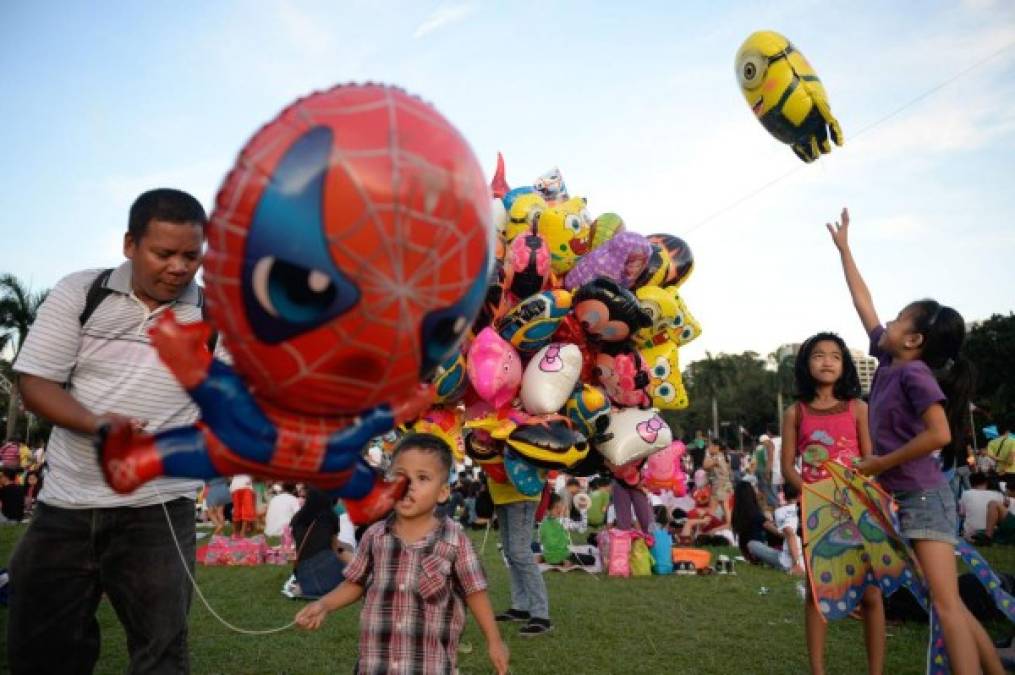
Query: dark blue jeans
{"type": "Point", "coordinates": [69, 557]}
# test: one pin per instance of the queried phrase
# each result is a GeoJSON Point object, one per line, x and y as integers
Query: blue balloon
{"type": "Point", "coordinates": [526, 478]}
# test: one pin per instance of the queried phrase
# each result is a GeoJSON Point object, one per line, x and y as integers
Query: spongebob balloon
{"type": "Point", "coordinates": [684, 327]}
{"type": "Point", "coordinates": [786, 95]}
{"type": "Point", "coordinates": [567, 230]}
{"type": "Point", "coordinates": [666, 386]}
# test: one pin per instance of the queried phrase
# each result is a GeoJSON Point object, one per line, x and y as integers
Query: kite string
{"type": "Point", "coordinates": [863, 130]}
{"type": "Point", "coordinates": [197, 589]}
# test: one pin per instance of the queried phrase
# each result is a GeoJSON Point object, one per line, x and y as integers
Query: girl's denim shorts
{"type": "Point", "coordinates": [928, 514]}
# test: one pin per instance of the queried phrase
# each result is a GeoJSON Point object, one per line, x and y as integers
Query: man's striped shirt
{"type": "Point", "coordinates": [109, 366]}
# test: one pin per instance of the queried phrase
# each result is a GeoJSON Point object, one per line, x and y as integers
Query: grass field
{"type": "Point", "coordinates": [674, 624]}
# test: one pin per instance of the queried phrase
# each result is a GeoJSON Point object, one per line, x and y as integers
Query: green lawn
{"type": "Point", "coordinates": [673, 624]}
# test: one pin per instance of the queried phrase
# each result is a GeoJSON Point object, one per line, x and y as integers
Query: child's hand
{"type": "Point", "coordinates": [499, 656]}
{"type": "Point", "coordinates": [797, 570]}
{"type": "Point", "coordinates": [870, 466]}
{"type": "Point", "coordinates": [840, 232]}
{"type": "Point", "coordinates": [312, 616]}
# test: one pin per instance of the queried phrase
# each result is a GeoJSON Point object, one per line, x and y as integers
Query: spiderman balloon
{"type": "Point", "coordinates": [348, 254]}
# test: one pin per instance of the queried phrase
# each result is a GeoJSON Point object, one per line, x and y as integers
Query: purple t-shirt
{"type": "Point", "coordinates": [900, 394]}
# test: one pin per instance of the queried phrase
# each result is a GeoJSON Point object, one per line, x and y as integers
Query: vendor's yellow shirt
{"type": "Point", "coordinates": [1002, 450]}
{"type": "Point", "coordinates": [505, 493]}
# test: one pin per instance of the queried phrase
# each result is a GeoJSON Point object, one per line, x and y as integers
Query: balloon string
{"type": "Point", "coordinates": [869, 127]}
{"type": "Point", "coordinates": [197, 589]}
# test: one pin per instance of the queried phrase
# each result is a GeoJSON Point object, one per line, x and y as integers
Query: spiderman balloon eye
{"type": "Point", "coordinates": [291, 292]}
{"type": "Point", "coordinates": [442, 329]}
{"type": "Point", "coordinates": [283, 299]}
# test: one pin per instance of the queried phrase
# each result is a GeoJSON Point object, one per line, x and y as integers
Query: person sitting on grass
{"type": "Point", "coordinates": [1000, 526]}
{"type": "Point", "coordinates": [554, 540]}
{"type": "Point", "coordinates": [707, 516]}
{"type": "Point", "coordinates": [416, 574]}
{"type": "Point", "coordinates": [787, 520]}
{"type": "Point", "coordinates": [974, 506]}
{"type": "Point", "coordinates": [749, 522]}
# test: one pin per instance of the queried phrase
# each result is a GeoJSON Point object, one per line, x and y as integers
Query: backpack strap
{"type": "Point", "coordinates": [98, 291]}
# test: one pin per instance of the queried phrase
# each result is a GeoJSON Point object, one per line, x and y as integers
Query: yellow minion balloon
{"type": "Point", "coordinates": [786, 95]}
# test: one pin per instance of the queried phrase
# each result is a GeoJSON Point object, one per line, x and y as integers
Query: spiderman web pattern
{"type": "Point", "coordinates": [384, 326]}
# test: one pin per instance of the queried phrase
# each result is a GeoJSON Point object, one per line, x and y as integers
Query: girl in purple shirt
{"type": "Point", "coordinates": [920, 391]}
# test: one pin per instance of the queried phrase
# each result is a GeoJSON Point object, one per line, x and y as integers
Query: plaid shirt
{"type": "Point", "coordinates": [414, 606]}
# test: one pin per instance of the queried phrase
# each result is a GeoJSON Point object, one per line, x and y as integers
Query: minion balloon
{"type": "Point", "coordinates": [786, 95]}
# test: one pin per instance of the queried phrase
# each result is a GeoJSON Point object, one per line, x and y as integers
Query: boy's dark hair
{"type": "Point", "coordinates": [944, 330]}
{"type": "Point", "coordinates": [790, 491]}
{"type": "Point", "coordinates": [846, 388]}
{"type": "Point", "coordinates": [11, 474]}
{"type": "Point", "coordinates": [554, 500]}
{"type": "Point", "coordinates": [429, 444]}
{"type": "Point", "coordinates": [573, 482]}
{"type": "Point", "coordinates": [289, 487]}
{"type": "Point", "coordinates": [173, 206]}
{"type": "Point", "coordinates": [977, 478]}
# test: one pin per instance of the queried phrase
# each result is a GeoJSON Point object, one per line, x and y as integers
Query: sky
{"type": "Point", "coordinates": [638, 106]}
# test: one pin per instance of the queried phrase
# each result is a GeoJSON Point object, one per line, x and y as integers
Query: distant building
{"type": "Point", "coordinates": [786, 351]}
{"type": "Point", "coordinates": [865, 367]}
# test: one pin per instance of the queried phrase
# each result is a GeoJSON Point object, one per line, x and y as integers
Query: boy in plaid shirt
{"type": "Point", "coordinates": [417, 574]}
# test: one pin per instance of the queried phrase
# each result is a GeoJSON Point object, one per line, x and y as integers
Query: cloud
{"type": "Point", "coordinates": [201, 179]}
{"type": "Point", "coordinates": [900, 227]}
{"type": "Point", "coordinates": [444, 15]}
{"type": "Point", "coordinates": [305, 30]}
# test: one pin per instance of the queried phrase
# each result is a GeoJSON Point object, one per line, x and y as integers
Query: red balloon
{"type": "Point", "coordinates": [368, 264]}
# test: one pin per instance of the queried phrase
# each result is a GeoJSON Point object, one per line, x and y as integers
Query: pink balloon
{"type": "Point", "coordinates": [494, 368]}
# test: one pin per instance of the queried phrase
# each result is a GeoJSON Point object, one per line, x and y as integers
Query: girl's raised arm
{"type": "Point", "coordinates": [857, 287]}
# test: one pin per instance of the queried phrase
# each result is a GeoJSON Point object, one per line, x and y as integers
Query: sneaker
{"type": "Point", "coordinates": [536, 627]}
{"type": "Point", "coordinates": [512, 615]}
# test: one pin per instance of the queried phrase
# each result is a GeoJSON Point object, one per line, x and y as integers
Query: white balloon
{"type": "Point", "coordinates": [636, 433]}
{"type": "Point", "coordinates": [550, 378]}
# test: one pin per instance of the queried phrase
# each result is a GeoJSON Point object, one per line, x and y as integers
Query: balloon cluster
{"type": "Point", "coordinates": [575, 349]}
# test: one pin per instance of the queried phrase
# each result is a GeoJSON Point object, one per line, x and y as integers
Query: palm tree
{"type": "Point", "coordinates": [18, 307]}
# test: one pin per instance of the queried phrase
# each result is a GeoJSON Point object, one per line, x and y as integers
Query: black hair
{"type": "Point", "coordinates": [1007, 422]}
{"type": "Point", "coordinates": [11, 474]}
{"type": "Point", "coordinates": [289, 487]}
{"type": "Point", "coordinates": [573, 481]}
{"type": "Point", "coordinates": [846, 388]}
{"type": "Point", "coordinates": [944, 330]}
{"type": "Point", "coordinates": [790, 491]}
{"type": "Point", "coordinates": [661, 514]}
{"type": "Point", "coordinates": [746, 510]}
{"type": "Point", "coordinates": [554, 500]}
{"type": "Point", "coordinates": [173, 206]}
{"type": "Point", "coordinates": [317, 503]}
{"type": "Point", "coordinates": [430, 444]}
{"type": "Point", "coordinates": [977, 478]}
